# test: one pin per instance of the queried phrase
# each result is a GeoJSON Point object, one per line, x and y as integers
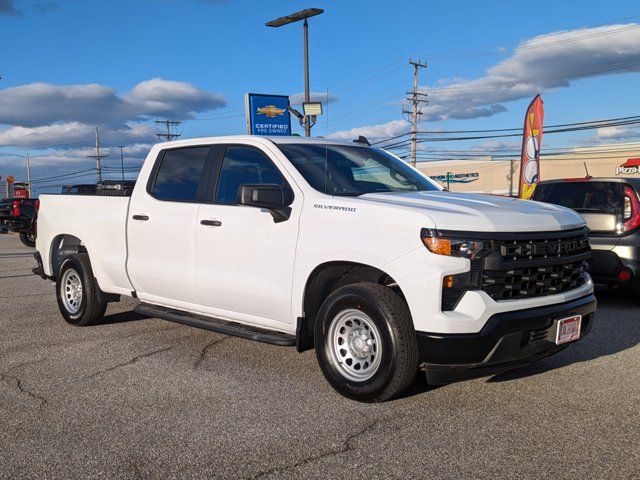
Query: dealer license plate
{"type": "Point", "coordinates": [568, 329]}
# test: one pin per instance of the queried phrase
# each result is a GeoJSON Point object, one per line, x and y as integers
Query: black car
{"type": "Point", "coordinates": [20, 215]}
{"type": "Point", "coordinates": [611, 208]}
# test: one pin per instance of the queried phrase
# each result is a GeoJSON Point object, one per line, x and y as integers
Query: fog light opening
{"type": "Point", "coordinates": [447, 281]}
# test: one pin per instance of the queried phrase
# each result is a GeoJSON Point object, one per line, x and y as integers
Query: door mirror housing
{"type": "Point", "coordinates": [265, 195]}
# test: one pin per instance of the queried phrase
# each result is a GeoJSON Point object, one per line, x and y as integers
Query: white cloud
{"type": "Point", "coordinates": [617, 133]}
{"type": "Point", "coordinates": [372, 132]}
{"type": "Point", "coordinates": [79, 156]}
{"type": "Point", "coordinates": [66, 135]}
{"type": "Point", "coordinates": [38, 104]}
{"type": "Point", "coordinates": [540, 64]}
{"type": "Point", "coordinates": [158, 97]}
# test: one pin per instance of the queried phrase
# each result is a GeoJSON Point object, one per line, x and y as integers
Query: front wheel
{"type": "Point", "coordinates": [28, 239]}
{"type": "Point", "coordinates": [365, 342]}
{"type": "Point", "coordinates": [80, 300]}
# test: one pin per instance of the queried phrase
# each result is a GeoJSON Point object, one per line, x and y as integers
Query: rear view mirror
{"type": "Point", "coordinates": [267, 196]}
{"type": "Point", "coordinates": [600, 222]}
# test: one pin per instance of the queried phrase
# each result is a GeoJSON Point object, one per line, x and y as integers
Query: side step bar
{"type": "Point", "coordinates": [217, 325]}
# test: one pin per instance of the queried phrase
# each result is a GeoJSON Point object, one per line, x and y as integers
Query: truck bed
{"type": "Point", "coordinates": [100, 223]}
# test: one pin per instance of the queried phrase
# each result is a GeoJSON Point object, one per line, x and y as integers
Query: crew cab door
{"type": "Point", "coordinates": [245, 259]}
{"type": "Point", "coordinates": [162, 224]}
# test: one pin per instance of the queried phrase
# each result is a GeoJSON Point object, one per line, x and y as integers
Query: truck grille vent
{"type": "Point", "coordinates": [520, 283]}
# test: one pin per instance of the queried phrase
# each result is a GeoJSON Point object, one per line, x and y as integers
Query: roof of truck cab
{"type": "Point", "coordinates": [274, 139]}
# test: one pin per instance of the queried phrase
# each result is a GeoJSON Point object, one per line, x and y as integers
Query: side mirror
{"type": "Point", "coordinates": [266, 195]}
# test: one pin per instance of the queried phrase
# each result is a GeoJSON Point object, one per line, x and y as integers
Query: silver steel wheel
{"type": "Point", "coordinates": [355, 345]}
{"type": "Point", "coordinates": [71, 291]}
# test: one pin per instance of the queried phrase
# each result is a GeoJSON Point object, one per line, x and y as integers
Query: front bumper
{"type": "Point", "coordinates": [507, 340]}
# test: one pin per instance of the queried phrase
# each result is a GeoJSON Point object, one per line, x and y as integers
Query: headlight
{"type": "Point", "coordinates": [452, 245]}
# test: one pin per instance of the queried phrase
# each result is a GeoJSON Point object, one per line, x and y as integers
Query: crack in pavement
{"type": "Point", "coordinates": [205, 350]}
{"type": "Point", "coordinates": [347, 446]}
{"type": "Point", "coordinates": [130, 362]}
{"type": "Point", "coordinates": [17, 382]}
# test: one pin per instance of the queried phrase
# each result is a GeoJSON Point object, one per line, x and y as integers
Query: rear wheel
{"type": "Point", "coordinates": [28, 239]}
{"type": "Point", "coordinates": [365, 342]}
{"type": "Point", "coordinates": [80, 300]}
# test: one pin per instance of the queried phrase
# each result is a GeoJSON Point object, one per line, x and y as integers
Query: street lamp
{"type": "Point", "coordinates": [296, 17]}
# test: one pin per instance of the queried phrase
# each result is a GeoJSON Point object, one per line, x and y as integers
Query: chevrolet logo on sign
{"type": "Point", "coordinates": [270, 111]}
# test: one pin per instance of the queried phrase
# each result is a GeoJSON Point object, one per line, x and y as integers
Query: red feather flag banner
{"type": "Point", "coordinates": [531, 142]}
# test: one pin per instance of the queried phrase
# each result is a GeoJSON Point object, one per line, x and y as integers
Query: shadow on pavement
{"type": "Point", "coordinates": [613, 332]}
{"type": "Point", "coordinates": [122, 317]}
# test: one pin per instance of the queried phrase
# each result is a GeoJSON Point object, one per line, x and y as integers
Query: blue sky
{"type": "Point", "coordinates": [138, 60]}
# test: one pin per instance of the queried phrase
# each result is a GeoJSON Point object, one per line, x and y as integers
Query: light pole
{"type": "Point", "coordinates": [296, 17]}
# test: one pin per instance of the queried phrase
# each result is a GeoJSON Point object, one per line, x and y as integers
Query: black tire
{"type": "Point", "coordinates": [92, 302]}
{"type": "Point", "coordinates": [28, 239]}
{"type": "Point", "coordinates": [398, 363]}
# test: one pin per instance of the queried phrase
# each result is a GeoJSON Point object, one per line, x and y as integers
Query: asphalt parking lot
{"type": "Point", "coordinates": [143, 398]}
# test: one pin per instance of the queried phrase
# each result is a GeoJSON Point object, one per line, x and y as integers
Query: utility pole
{"type": "Point", "coordinates": [28, 176]}
{"type": "Point", "coordinates": [416, 99]}
{"type": "Point", "coordinates": [98, 157]}
{"type": "Point", "coordinates": [168, 124]}
{"type": "Point", "coordinates": [121, 160]}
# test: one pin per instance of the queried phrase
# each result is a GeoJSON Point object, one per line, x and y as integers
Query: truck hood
{"type": "Point", "coordinates": [481, 213]}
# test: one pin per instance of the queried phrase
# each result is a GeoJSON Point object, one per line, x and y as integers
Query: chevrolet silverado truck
{"type": "Point", "coordinates": [335, 246]}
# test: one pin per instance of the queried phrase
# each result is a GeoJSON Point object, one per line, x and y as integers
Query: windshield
{"type": "Point", "coordinates": [353, 170]}
{"type": "Point", "coordinates": [597, 197]}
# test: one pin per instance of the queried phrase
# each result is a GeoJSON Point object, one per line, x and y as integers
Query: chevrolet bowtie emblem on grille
{"type": "Point", "coordinates": [270, 111]}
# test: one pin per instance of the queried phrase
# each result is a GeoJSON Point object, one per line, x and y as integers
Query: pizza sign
{"type": "Point", "coordinates": [630, 167]}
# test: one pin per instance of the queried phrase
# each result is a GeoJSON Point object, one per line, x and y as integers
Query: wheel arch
{"type": "Point", "coordinates": [325, 279]}
{"type": "Point", "coordinates": [61, 246]}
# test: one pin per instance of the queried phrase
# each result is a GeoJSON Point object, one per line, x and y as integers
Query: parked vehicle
{"type": "Point", "coordinates": [337, 246]}
{"type": "Point", "coordinates": [85, 189]}
{"type": "Point", "coordinates": [611, 209]}
{"type": "Point", "coordinates": [20, 215]}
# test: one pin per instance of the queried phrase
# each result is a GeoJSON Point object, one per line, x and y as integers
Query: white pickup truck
{"type": "Point", "coordinates": [337, 246]}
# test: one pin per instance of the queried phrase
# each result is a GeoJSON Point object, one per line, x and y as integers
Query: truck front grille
{"type": "Point", "coordinates": [533, 281]}
{"type": "Point", "coordinates": [542, 264]}
{"type": "Point", "coordinates": [524, 265]}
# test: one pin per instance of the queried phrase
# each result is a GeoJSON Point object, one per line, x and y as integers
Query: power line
{"type": "Point", "coordinates": [561, 127]}
{"type": "Point", "coordinates": [44, 179]}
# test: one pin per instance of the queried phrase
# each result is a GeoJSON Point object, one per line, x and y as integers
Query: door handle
{"type": "Point", "coordinates": [141, 217]}
{"type": "Point", "coordinates": [211, 223]}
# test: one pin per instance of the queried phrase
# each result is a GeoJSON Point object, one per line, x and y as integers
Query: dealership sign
{"type": "Point", "coordinates": [267, 114]}
{"type": "Point", "coordinates": [457, 177]}
{"type": "Point", "coordinates": [630, 167]}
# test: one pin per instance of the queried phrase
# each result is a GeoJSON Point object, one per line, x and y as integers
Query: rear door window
{"type": "Point", "coordinates": [179, 174]}
{"type": "Point", "coordinates": [592, 197]}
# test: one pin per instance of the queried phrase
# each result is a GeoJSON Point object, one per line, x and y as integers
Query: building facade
{"type": "Point", "coordinates": [500, 176]}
